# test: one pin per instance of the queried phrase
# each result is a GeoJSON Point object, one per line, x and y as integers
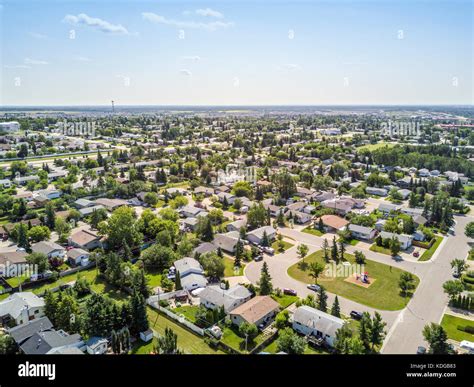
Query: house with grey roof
{"type": "Point", "coordinates": [21, 307]}
{"type": "Point", "coordinates": [256, 236]}
{"type": "Point", "coordinates": [191, 273]}
{"type": "Point", "coordinates": [388, 207]}
{"type": "Point", "coordinates": [236, 225]}
{"type": "Point", "coordinates": [204, 248]}
{"type": "Point", "coordinates": [226, 242]}
{"type": "Point", "coordinates": [214, 296]}
{"type": "Point", "coordinates": [362, 232]}
{"type": "Point", "coordinates": [50, 249]}
{"type": "Point", "coordinates": [315, 323]}
{"type": "Point", "coordinates": [47, 342]}
{"type": "Point", "coordinates": [23, 332]}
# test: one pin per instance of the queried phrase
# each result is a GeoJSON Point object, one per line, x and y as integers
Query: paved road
{"type": "Point", "coordinates": [429, 301]}
{"type": "Point", "coordinates": [405, 326]}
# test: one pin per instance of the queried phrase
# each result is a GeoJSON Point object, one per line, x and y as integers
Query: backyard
{"type": "Point", "coordinates": [451, 323]}
{"type": "Point", "coordinates": [231, 270]}
{"type": "Point", "coordinates": [383, 293]}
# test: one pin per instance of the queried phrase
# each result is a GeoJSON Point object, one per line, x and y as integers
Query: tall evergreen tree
{"type": "Point", "coordinates": [265, 283]}
{"type": "Point", "coordinates": [336, 309]}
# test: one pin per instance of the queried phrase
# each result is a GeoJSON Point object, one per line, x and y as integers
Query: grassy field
{"type": "Point", "coordinates": [383, 293]}
{"type": "Point", "coordinates": [450, 324]}
{"type": "Point", "coordinates": [372, 147]}
{"type": "Point", "coordinates": [188, 342]}
{"type": "Point", "coordinates": [286, 246]}
{"type": "Point", "coordinates": [285, 300]}
{"type": "Point", "coordinates": [312, 231]}
{"type": "Point", "coordinates": [231, 270]}
{"type": "Point", "coordinates": [188, 311]}
{"type": "Point", "coordinates": [429, 253]}
{"type": "Point", "coordinates": [232, 339]}
{"type": "Point", "coordinates": [380, 249]}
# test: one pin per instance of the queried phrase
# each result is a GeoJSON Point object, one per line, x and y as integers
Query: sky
{"type": "Point", "coordinates": [338, 52]}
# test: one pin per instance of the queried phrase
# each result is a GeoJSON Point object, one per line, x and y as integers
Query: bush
{"type": "Point", "coordinates": [467, 328]}
{"type": "Point", "coordinates": [468, 279]}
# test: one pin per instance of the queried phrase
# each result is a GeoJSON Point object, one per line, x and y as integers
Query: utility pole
{"type": "Point", "coordinates": [113, 107]}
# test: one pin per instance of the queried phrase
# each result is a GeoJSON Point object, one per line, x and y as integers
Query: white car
{"type": "Point", "coordinates": [314, 287]}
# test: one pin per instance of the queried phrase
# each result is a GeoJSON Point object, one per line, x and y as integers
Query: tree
{"type": "Point", "coordinates": [453, 288]}
{"type": "Point", "coordinates": [315, 270]}
{"type": "Point", "coordinates": [158, 257]}
{"type": "Point", "coordinates": [395, 246]}
{"type": "Point", "coordinates": [7, 345]}
{"type": "Point", "coordinates": [121, 228]}
{"type": "Point", "coordinates": [437, 338]}
{"type": "Point", "coordinates": [321, 225]}
{"type": "Point", "coordinates": [151, 198]}
{"type": "Point", "coordinates": [97, 216]}
{"type": "Point", "coordinates": [239, 252]}
{"type": "Point", "coordinates": [177, 282]}
{"type": "Point", "coordinates": [302, 250]}
{"type": "Point", "coordinates": [289, 342]}
{"type": "Point", "coordinates": [62, 228]}
{"type": "Point", "coordinates": [265, 283]}
{"type": "Point", "coordinates": [50, 215]}
{"type": "Point", "coordinates": [406, 283]}
{"type": "Point", "coordinates": [23, 240]}
{"type": "Point", "coordinates": [359, 257]}
{"type": "Point", "coordinates": [39, 259]}
{"type": "Point", "coordinates": [265, 241]}
{"type": "Point", "coordinates": [249, 331]}
{"type": "Point", "coordinates": [213, 265]}
{"type": "Point", "coordinates": [138, 312]}
{"type": "Point", "coordinates": [285, 184]}
{"type": "Point", "coordinates": [39, 233]}
{"type": "Point", "coordinates": [460, 265]}
{"type": "Point", "coordinates": [256, 216]}
{"type": "Point", "coordinates": [334, 251]}
{"type": "Point", "coordinates": [377, 331]}
{"type": "Point", "coordinates": [326, 250]}
{"type": "Point", "coordinates": [336, 309]}
{"type": "Point", "coordinates": [322, 299]}
{"type": "Point", "coordinates": [342, 249]}
{"type": "Point", "coordinates": [167, 344]}
{"type": "Point", "coordinates": [242, 188]}
{"type": "Point", "coordinates": [204, 229]}
{"type": "Point", "coordinates": [67, 314]}
{"type": "Point", "coordinates": [365, 326]}
{"type": "Point", "coordinates": [282, 320]}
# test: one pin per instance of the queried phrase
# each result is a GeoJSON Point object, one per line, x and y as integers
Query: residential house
{"type": "Point", "coordinates": [50, 249]}
{"type": "Point", "coordinates": [299, 217]}
{"type": "Point", "coordinates": [412, 211]}
{"type": "Point", "coordinates": [191, 273]}
{"type": "Point", "coordinates": [404, 193]}
{"type": "Point", "coordinates": [85, 239]}
{"type": "Point", "coordinates": [21, 307]}
{"type": "Point", "coordinates": [226, 242]}
{"type": "Point", "coordinates": [189, 211]}
{"type": "Point", "coordinates": [190, 224]}
{"type": "Point", "coordinates": [204, 248]}
{"type": "Point", "coordinates": [86, 211]}
{"type": "Point", "coordinates": [340, 207]}
{"type": "Point", "coordinates": [206, 191]}
{"type": "Point", "coordinates": [52, 341]}
{"type": "Point", "coordinates": [316, 323]}
{"type": "Point", "coordinates": [405, 240]}
{"type": "Point", "coordinates": [376, 191]}
{"type": "Point", "coordinates": [111, 204]}
{"type": "Point", "coordinates": [362, 232]}
{"type": "Point", "coordinates": [78, 257]}
{"type": "Point", "coordinates": [387, 208]}
{"type": "Point", "coordinates": [236, 225]}
{"type": "Point", "coordinates": [12, 262]}
{"type": "Point", "coordinates": [23, 332]}
{"type": "Point", "coordinates": [256, 236]}
{"type": "Point", "coordinates": [259, 310]}
{"type": "Point", "coordinates": [226, 196]}
{"type": "Point", "coordinates": [214, 296]}
{"type": "Point", "coordinates": [97, 345]}
{"type": "Point", "coordinates": [333, 223]}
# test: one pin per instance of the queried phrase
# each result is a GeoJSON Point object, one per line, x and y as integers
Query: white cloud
{"type": "Point", "coordinates": [94, 22]}
{"type": "Point", "coordinates": [211, 26]}
{"type": "Point", "coordinates": [185, 72]}
{"type": "Point", "coordinates": [192, 58]}
{"type": "Point", "coordinates": [208, 12]}
{"type": "Point", "coordinates": [29, 61]}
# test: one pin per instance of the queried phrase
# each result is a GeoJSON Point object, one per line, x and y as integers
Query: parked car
{"type": "Point", "coordinates": [421, 350]}
{"type": "Point", "coordinates": [258, 258]}
{"type": "Point", "coordinates": [356, 315]}
{"type": "Point", "coordinates": [268, 250]}
{"type": "Point", "coordinates": [290, 292]}
{"type": "Point", "coordinates": [314, 287]}
{"type": "Point", "coordinates": [416, 254]}
{"type": "Point", "coordinates": [455, 272]}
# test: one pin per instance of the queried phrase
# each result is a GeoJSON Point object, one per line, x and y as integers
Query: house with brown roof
{"type": "Point", "coordinates": [259, 310]}
{"type": "Point", "coordinates": [333, 223]}
{"type": "Point", "coordinates": [85, 239]}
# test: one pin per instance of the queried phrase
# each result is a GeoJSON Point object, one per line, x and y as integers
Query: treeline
{"type": "Point", "coordinates": [440, 157]}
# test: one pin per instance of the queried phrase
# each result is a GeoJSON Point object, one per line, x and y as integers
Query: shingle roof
{"type": "Point", "coordinates": [256, 308]}
{"type": "Point", "coordinates": [316, 319]}
{"type": "Point", "coordinates": [24, 331]}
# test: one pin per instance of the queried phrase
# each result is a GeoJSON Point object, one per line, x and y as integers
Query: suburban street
{"type": "Point", "coordinates": [404, 327]}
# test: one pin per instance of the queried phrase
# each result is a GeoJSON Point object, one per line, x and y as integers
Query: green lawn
{"type": "Point", "coordinates": [450, 324]}
{"type": "Point", "coordinates": [351, 242]}
{"type": "Point", "coordinates": [153, 278]}
{"type": "Point", "coordinates": [188, 342]}
{"type": "Point", "coordinates": [286, 246]}
{"type": "Point", "coordinates": [272, 348]}
{"type": "Point", "coordinates": [429, 253]}
{"type": "Point", "coordinates": [232, 339]}
{"type": "Point", "coordinates": [372, 147]}
{"type": "Point", "coordinates": [285, 300]}
{"type": "Point", "coordinates": [231, 270]}
{"type": "Point", "coordinates": [188, 311]}
{"type": "Point", "coordinates": [312, 231]}
{"type": "Point", "coordinates": [380, 249]}
{"type": "Point", "coordinates": [384, 292]}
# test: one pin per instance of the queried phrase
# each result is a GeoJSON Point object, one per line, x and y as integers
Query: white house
{"type": "Point", "coordinates": [256, 235]}
{"type": "Point", "coordinates": [21, 307]}
{"type": "Point", "coordinates": [51, 249]}
{"type": "Point", "coordinates": [96, 345]}
{"type": "Point", "coordinates": [362, 232]}
{"type": "Point", "coordinates": [405, 240]}
{"type": "Point", "coordinates": [214, 296]}
{"type": "Point", "coordinates": [191, 273]}
{"type": "Point", "coordinates": [313, 322]}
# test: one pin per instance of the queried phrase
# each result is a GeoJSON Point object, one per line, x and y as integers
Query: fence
{"type": "Point", "coordinates": [152, 301]}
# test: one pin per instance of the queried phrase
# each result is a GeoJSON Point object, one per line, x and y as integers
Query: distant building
{"type": "Point", "coordinates": [9, 127]}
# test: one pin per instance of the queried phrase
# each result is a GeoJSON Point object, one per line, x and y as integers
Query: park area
{"type": "Point", "coordinates": [383, 292]}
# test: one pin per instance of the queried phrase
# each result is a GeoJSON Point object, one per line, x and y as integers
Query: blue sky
{"type": "Point", "coordinates": [236, 53]}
